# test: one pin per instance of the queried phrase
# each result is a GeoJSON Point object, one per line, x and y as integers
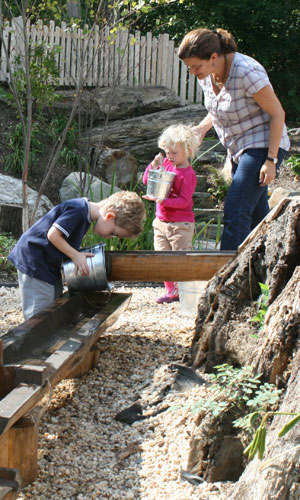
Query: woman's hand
{"type": "Point", "coordinates": [267, 173]}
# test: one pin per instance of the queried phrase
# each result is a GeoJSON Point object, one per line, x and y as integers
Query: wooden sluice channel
{"type": "Point", "coordinates": [60, 342]}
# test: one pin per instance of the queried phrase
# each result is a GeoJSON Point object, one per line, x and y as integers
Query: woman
{"type": "Point", "coordinates": [248, 119]}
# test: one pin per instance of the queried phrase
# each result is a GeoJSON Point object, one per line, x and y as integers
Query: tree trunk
{"type": "Point", "coordinates": [223, 331]}
{"type": "Point", "coordinates": [276, 477]}
{"type": "Point", "coordinates": [224, 334]}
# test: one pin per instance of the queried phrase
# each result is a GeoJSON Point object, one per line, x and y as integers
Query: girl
{"type": "Point", "coordinates": [174, 223]}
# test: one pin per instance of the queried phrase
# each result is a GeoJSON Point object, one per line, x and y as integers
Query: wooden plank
{"type": "Point", "coordinates": [175, 72]}
{"type": "Point", "coordinates": [164, 58]}
{"type": "Point", "coordinates": [10, 481]}
{"type": "Point", "coordinates": [154, 61]}
{"type": "Point", "coordinates": [30, 374]}
{"type": "Point", "coordinates": [106, 55]}
{"type": "Point", "coordinates": [17, 403]}
{"type": "Point", "coordinates": [170, 58]}
{"type": "Point", "coordinates": [123, 57]}
{"type": "Point", "coordinates": [148, 58]}
{"type": "Point", "coordinates": [131, 60]}
{"type": "Point", "coordinates": [137, 48]}
{"type": "Point", "coordinates": [71, 355]}
{"type": "Point", "coordinates": [183, 80]}
{"type": "Point", "coordinates": [96, 79]}
{"type": "Point", "coordinates": [19, 449]}
{"type": "Point", "coordinates": [142, 61]}
{"type": "Point", "coordinates": [164, 266]}
{"type": "Point", "coordinates": [7, 380]}
{"type": "Point", "coordinates": [4, 52]}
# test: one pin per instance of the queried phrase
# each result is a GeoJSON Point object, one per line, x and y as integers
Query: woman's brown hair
{"type": "Point", "coordinates": [202, 43]}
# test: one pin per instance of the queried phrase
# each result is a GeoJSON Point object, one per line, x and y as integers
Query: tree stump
{"type": "Point", "coordinates": [270, 255]}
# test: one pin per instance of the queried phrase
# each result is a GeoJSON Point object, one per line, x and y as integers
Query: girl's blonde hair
{"type": "Point", "coordinates": [181, 134]}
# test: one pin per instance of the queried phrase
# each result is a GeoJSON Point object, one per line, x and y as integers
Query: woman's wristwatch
{"type": "Point", "coordinates": [273, 160]}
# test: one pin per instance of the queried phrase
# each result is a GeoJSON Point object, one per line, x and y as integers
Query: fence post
{"type": "Point", "coordinates": [103, 58]}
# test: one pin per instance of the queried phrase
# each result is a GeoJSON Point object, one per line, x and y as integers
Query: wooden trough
{"type": "Point", "coordinates": [60, 342]}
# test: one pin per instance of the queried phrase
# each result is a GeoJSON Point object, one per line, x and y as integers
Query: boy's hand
{"type": "Point", "coordinates": [81, 264]}
{"type": "Point", "coordinates": [158, 160]}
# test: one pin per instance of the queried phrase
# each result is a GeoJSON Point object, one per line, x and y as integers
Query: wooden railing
{"type": "Point", "coordinates": [101, 58]}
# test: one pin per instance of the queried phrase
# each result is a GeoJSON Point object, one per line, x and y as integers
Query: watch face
{"type": "Point", "coordinates": [273, 160]}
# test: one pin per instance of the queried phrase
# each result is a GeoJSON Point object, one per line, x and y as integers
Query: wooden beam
{"type": "Point", "coordinates": [150, 266]}
{"type": "Point", "coordinates": [10, 481]}
{"type": "Point", "coordinates": [17, 403]}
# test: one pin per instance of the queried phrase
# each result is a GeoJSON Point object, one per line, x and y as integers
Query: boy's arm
{"type": "Point", "coordinates": [55, 236]}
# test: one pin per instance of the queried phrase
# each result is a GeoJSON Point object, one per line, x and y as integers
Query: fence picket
{"type": "Point", "coordinates": [136, 68]}
{"type": "Point", "coordinates": [148, 55]}
{"type": "Point", "coordinates": [154, 61]}
{"type": "Point", "coordinates": [103, 57]}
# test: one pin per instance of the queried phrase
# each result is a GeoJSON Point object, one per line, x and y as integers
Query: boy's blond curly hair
{"type": "Point", "coordinates": [129, 210]}
{"type": "Point", "coordinates": [181, 134]}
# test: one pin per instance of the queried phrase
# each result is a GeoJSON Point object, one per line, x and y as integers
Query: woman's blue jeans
{"type": "Point", "coordinates": [246, 202]}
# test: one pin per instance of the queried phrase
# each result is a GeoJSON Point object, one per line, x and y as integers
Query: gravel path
{"type": "Point", "coordinates": [84, 453]}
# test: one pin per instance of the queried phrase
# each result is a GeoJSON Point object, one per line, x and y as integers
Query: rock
{"type": "Point", "coordinates": [119, 102]}
{"type": "Point", "coordinates": [78, 184]}
{"type": "Point", "coordinates": [277, 195]}
{"type": "Point", "coordinates": [12, 201]}
{"type": "Point", "coordinates": [139, 135]}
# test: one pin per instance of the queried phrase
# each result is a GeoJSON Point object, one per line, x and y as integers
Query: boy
{"type": "Point", "coordinates": [39, 253]}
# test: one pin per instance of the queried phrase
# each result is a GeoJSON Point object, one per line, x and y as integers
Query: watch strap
{"type": "Point", "coordinates": [273, 160]}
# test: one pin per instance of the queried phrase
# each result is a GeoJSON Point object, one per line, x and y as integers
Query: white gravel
{"type": "Point", "coordinates": [84, 453]}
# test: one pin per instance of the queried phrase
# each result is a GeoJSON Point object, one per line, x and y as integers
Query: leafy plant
{"type": "Point", "coordinates": [294, 163]}
{"type": "Point", "coordinates": [203, 236]}
{"type": "Point", "coordinates": [262, 306]}
{"type": "Point", "coordinates": [15, 160]}
{"type": "Point", "coordinates": [220, 186]}
{"type": "Point", "coordinates": [257, 445]}
{"type": "Point", "coordinates": [7, 242]}
{"type": "Point", "coordinates": [238, 390]}
{"type": "Point", "coordinates": [44, 76]}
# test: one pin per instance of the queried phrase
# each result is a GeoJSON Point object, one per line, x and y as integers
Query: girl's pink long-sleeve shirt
{"type": "Point", "coordinates": [179, 206]}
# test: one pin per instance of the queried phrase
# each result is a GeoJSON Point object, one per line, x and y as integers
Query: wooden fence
{"type": "Point", "coordinates": [102, 58]}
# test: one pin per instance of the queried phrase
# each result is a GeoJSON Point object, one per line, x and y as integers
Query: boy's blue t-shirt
{"type": "Point", "coordinates": [35, 255]}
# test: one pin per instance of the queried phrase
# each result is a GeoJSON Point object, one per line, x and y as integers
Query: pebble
{"type": "Point", "coordinates": [79, 439]}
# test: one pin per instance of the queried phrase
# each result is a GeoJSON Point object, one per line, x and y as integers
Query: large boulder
{"type": "Point", "coordinates": [78, 184]}
{"type": "Point", "coordinates": [11, 202]}
{"type": "Point", "coordinates": [120, 102]}
{"type": "Point", "coordinates": [139, 135]}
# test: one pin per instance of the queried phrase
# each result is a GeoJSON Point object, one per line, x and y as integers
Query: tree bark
{"type": "Point", "coordinates": [269, 255]}
{"type": "Point", "coordinates": [223, 331]}
{"type": "Point", "coordinates": [276, 477]}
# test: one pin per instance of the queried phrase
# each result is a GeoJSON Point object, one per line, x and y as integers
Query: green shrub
{"type": "Point", "coordinates": [7, 242]}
